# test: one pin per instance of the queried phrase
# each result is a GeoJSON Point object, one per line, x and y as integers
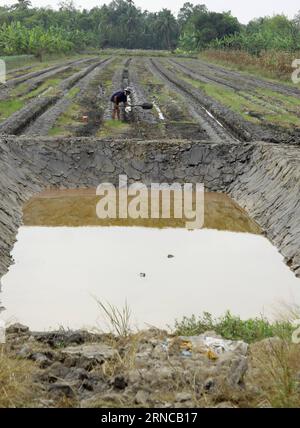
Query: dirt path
{"type": "Point", "coordinates": [169, 118]}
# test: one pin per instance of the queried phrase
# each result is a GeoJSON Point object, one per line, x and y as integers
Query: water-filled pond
{"type": "Point", "coordinates": [65, 258]}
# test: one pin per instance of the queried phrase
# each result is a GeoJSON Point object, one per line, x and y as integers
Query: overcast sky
{"type": "Point", "coordinates": [244, 10]}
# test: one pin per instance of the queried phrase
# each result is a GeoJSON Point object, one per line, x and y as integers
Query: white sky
{"type": "Point", "coordinates": [244, 10]}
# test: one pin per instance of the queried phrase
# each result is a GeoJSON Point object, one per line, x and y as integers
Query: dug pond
{"type": "Point", "coordinates": [66, 260]}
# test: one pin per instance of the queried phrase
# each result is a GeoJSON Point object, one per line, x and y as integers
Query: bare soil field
{"type": "Point", "coordinates": [192, 100]}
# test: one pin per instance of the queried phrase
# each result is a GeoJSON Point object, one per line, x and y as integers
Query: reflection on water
{"type": "Point", "coordinates": [59, 269]}
{"type": "Point", "coordinates": [77, 208]}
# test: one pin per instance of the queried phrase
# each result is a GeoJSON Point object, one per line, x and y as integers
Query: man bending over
{"type": "Point", "coordinates": [117, 98]}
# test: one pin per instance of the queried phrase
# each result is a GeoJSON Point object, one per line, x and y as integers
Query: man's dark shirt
{"type": "Point", "coordinates": [121, 97]}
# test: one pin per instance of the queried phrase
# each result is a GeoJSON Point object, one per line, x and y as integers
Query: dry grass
{"type": "Point", "coordinates": [16, 389]}
{"type": "Point", "coordinates": [125, 359]}
{"type": "Point", "coordinates": [118, 320]}
{"type": "Point", "coordinates": [275, 374]}
{"type": "Point", "coordinates": [270, 64]}
{"type": "Point", "coordinates": [275, 365]}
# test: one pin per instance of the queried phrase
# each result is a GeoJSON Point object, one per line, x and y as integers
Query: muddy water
{"type": "Point", "coordinates": [65, 257]}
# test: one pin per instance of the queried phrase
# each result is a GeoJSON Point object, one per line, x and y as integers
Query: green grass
{"type": "Point", "coordinates": [73, 92]}
{"type": "Point", "coordinates": [114, 124]}
{"type": "Point", "coordinates": [233, 327]}
{"type": "Point", "coordinates": [11, 105]}
{"type": "Point", "coordinates": [283, 119]}
{"type": "Point", "coordinates": [8, 107]}
{"type": "Point", "coordinates": [237, 102]}
{"type": "Point", "coordinates": [113, 128]}
{"type": "Point", "coordinates": [21, 89]}
{"type": "Point", "coordinates": [227, 97]}
{"type": "Point", "coordinates": [69, 117]}
{"type": "Point", "coordinates": [286, 102]}
{"type": "Point", "coordinates": [54, 131]}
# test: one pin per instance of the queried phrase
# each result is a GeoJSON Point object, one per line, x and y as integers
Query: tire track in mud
{"type": "Point", "coordinates": [42, 125]}
{"type": "Point", "coordinates": [194, 101]}
{"type": "Point", "coordinates": [21, 119]}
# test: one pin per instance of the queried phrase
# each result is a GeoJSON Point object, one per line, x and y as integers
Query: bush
{"type": "Point", "coordinates": [233, 327]}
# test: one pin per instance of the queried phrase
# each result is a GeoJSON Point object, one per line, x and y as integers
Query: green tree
{"type": "Point", "coordinates": [22, 4]}
{"type": "Point", "coordinates": [167, 27]}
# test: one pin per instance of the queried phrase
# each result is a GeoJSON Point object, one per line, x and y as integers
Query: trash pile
{"type": "Point", "coordinates": [211, 346]}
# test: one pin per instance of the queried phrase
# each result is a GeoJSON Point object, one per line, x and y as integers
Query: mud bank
{"type": "Point", "coordinates": [262, 178]}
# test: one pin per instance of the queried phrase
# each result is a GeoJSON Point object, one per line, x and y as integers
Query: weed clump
{"type": "Point", "coordinates": [233, 327]}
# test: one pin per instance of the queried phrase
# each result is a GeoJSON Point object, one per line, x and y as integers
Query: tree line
{"type": "Point", "coordinates": [120, 24]}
